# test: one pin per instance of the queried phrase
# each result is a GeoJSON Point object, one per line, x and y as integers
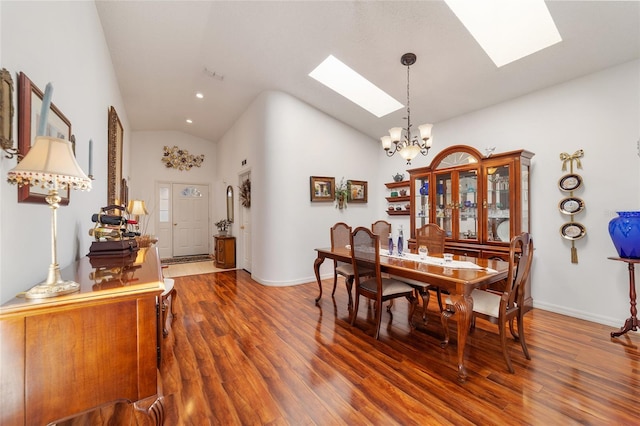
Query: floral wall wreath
{"type": "Point", "coordinates": [180, 158]}
{"type": "Point", "coordinates": [245, 193]}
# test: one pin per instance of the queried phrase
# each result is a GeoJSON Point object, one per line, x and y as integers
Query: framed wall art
{"type": "Point", "coordinates": [6, 114]}
{"type": "Point", "coordinates": [114, 159]}
{"type": "Point", "coordinates": [357, 191]}
{"type": "Point", "coordinates": [59, 126]}
{"type": "Point", "coordinates": [322, 188]}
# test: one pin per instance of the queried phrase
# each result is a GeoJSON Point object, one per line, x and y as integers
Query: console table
{"type": "Point", "coordinates": [632, 322]}
{"type": "Point", "coordinates": [69, 354]}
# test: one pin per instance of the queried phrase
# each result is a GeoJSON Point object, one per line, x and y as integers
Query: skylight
{"type": "Point", "coordinates": [340, 78]}
{"type": "Point", "coordinates": [507, 30]}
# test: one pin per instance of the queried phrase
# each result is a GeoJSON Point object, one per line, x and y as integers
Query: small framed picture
{"type": "Point", "coordinates": [322, 188]}
{"type": "Point", "coordinates": [357, 191]}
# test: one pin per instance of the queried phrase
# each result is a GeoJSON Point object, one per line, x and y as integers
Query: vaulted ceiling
{"type": "Point", "coordinates": [166, 51]}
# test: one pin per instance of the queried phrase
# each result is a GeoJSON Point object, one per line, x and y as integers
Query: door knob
{"type": "Point", "coordinates": [175, 224]}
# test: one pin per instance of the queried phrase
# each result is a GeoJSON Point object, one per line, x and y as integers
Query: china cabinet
{"type": "Point", "coordinates": [480, 202]}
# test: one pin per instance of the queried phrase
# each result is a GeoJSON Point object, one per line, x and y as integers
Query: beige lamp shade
{"type": "Point", "coordinates": [50, 163]}
{"type": "Point", "coordinates": [137, 208]}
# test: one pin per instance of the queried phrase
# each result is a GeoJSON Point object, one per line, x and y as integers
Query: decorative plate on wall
{"type": "Point", "coordinates": [570, 182]}
{"type": "Point", "coordinates": [572, 231]}
{"type": "Point", "coordinates": [571, 205]}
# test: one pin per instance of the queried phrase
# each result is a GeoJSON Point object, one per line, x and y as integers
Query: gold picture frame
{"type": "Point", "coordinates": [322, 188]}
{"type": "Point", "coordinates": [6, 113]}
{"type": "Point", "coordinates": [114, 159]}
{"type": "Point", "coordinates": [29, 110]}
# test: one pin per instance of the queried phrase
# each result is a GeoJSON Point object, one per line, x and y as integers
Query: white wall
{"type": "Point", "coordinates": [599, 113]}
{"type": "Point", "coordinates": [62, 43]}
{"type": "Point", "coordinates": [290, 141]}
{"type": "Point", "coordinates": [147, 169]}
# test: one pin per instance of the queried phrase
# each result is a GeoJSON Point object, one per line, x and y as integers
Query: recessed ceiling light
{"type": "Point", "coordinates": [507, 30]}
{"type": "Point", "coordinates": [348, 83]}
{"type": "Point", "coordinates": [189, 120]}
{"type": "Point", "coordinates": [199, 95]}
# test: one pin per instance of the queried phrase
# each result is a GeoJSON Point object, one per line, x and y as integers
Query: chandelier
{"type": "Point", "coordinates": [400, 139]}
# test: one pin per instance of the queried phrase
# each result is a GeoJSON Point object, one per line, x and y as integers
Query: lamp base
{"type": "Point", "coordinates": [45, 290]}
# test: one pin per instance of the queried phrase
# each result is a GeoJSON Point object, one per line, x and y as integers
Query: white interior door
{"type": "Point", "coordinates": [190, 215]}
{"type": "Point", "coordinates": [245, 230]}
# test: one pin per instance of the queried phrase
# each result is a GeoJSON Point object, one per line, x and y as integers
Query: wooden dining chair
{"type": "Point", "coordinates": [508, 306]}
{"type": "Point", "coordinates": [365, 254]}
{"type": "Point", "coordinates": [383, 229]}
{"type": "Point", "coordinates": [340, 237]}
{"type": "Point", "coordinates": [432, 236]}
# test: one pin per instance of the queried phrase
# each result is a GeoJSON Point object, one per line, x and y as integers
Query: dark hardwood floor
{"type": "Point", "coordinates": [239, 353]}
{"type": "Point", "coordinates": [242, 353]}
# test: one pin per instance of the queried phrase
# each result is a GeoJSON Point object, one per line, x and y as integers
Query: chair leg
{"type": "Point", "coordinates": [378, 317]}
{"type": "Point", "coordinates": [521, 333]}
{"type": "Point", "coordinates": [355, 309]}
{"type": "Point", "coordinates": [503, 343]}
{"type": "Point", "coordinates": [335, 281]}
{"type": "Point", "coordinates": [349, 283]}
{"type": "Point", "coordinates": [165, 307]}
{"type": "Point", "coordinates": [414, 302]}
{"type": "Point", "coordinates": [425, 302]}
{"type": "Point", "coordinates": [514, 333]}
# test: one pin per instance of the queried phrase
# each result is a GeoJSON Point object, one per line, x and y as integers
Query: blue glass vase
{"type": "Point", "coordinates": [625, 234]}
{"type": "Point", "coordinates": [424, 189]}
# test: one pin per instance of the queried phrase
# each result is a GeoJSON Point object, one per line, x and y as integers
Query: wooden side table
{"type": "Point", "coordinates": [632, 322]}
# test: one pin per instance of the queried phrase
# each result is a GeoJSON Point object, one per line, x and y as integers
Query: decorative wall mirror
{"type": "Point", "coordinates": [230, 203]}
{"type": "Point", "coordinates": [30, 100]}
{"type": "Point", "coordinates": [114, 159]}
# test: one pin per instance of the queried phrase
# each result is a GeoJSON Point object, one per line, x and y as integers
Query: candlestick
{"type": "Point", "coordinates": [91, 159]}
{"type": "Point", "coordinates": [46, 104]}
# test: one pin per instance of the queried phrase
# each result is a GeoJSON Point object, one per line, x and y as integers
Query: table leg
{"type": "Point", "coordinates": [316, 268]}
{"type": "Point", "coordinates": [463, 308]}
{"type": "Point", "coordinates": [632, 322]}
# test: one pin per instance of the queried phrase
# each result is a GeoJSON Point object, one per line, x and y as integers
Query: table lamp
{"type": "Point", "coordinates": [137, 208]}
{"type": "Point", "coordinates": [51, 164]}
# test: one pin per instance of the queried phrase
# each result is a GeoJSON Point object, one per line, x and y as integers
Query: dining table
{"type": "Point", "coordinates": [459, 277]}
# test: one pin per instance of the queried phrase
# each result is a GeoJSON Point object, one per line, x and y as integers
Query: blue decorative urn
{"type": "Point", "coordinates": [625, 234]}
{"type": "Point", "coordinates": [424, 189]}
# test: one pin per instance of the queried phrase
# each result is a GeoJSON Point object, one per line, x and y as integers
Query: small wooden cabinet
{"type": "Point", "coordinates": [225, 251]}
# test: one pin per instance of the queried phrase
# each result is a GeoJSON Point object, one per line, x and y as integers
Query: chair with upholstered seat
{"type": "Point", "coordinates": [365, 254]}
{"type": "Point", "coordinates": [506, 307]}
{"type": "Point", "coordinates": [431, 236]}
{"type": "Point", "coordinates": [383, 229]}
{"type": "Point", "coordinates": [340, 237]}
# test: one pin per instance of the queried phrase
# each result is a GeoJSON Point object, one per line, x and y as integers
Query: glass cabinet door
{"type": "Point", "coordinates": [468, 205]}
{"type": "Point", "coordinates": [498, 207]}
{"type": "Point", "coordinates": [421, 201]}
{"type": "Point", "coordinates": [444, 206]}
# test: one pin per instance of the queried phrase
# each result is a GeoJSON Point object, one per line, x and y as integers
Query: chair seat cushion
{"type": "Point", "coordinates": [484, 302]}
{"type": "Point", "coordinates": [389, 286]}
{"type": "Point", "coordinates": [413, 283]}
{"type": "Point", "coordinates": [345, 269]}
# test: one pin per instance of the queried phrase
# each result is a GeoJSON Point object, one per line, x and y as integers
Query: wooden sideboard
{"type": "Point", "coordinates": [69, 354]}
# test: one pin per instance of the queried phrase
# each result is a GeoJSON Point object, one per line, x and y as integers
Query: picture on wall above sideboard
{"type": "Point", "coordinates": [30, 99]}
